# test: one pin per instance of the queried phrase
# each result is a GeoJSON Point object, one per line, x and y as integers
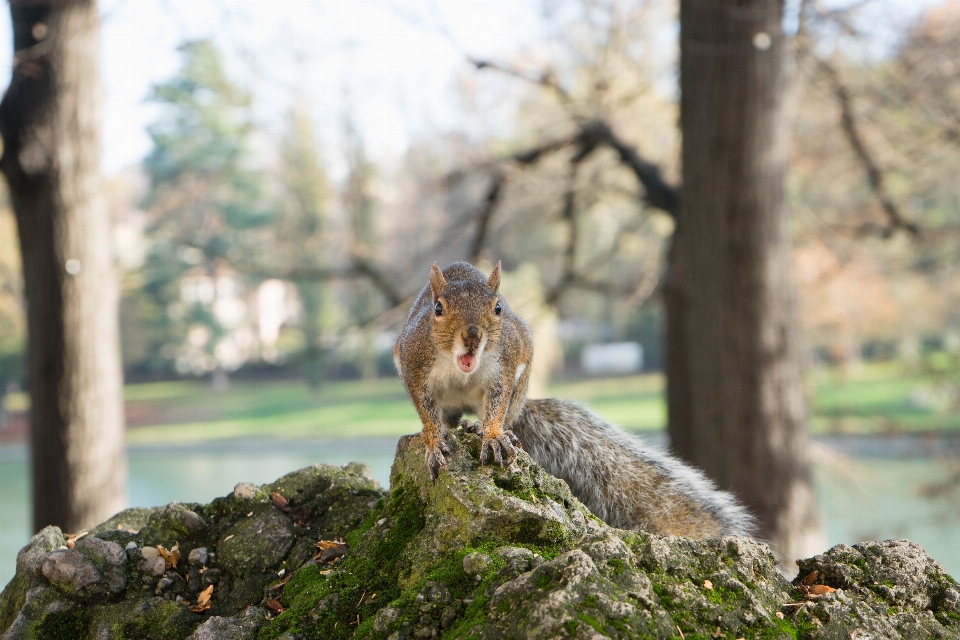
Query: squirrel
{"type": "Point", "coordinates": [462, 350]}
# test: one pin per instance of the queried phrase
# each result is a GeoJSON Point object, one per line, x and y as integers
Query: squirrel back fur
{"type": "Point", "coordinates": [625, 482]}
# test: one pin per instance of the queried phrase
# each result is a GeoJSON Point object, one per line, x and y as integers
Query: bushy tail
{"type": "Point", "coordinates": [625, 482]}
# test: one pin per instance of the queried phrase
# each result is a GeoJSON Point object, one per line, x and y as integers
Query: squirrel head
{"type": "Point", "coordinates": [467, 316]}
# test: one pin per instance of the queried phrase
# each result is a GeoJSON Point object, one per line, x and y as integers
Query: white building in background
{"type": "Point", "coordinates": [613, 357]}
{"type": "Point", "coordinates": [251, 320]}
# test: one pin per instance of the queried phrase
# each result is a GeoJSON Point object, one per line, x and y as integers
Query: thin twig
{"type": "Point", "coordinates": [485, 214]}
{"type": "Point", "coordinates": [875, 176]}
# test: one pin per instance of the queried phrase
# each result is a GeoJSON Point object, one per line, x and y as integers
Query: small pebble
{"type": "Point", "coordinates": [149, 552]}
{"type": "Point", "coordinates": [198, 556]}
{"type": "Point", "coordinates": [245, 490]}
{"type": "Point", "coordinates": [193, 521]}
{"type": "Point", "coordinates": [153, 566]}
{"type": "Point", "coordinates": [163, 585]}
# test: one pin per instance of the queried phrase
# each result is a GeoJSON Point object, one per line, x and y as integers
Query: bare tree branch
{"type": "Point", "coordinates": [547, 79]}
{"type": "Point", "coordinates": [485, 214]}
{"type": "Point", "coordinates": [659, 194]}
{"type": "Point", "coordinates": [359, 267]}
{"type": "Point", "coordinates": [875, 176]}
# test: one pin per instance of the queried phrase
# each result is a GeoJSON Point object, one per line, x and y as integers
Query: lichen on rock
{"type": "Point", "coordinates": [482, 552]}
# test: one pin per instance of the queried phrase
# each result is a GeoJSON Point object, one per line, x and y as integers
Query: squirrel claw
{"type": "Point", "coordinates": [435, 458]}
{"type": "Point", "coordinates": [497, 446]}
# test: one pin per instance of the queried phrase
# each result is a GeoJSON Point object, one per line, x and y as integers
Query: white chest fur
{"type": "Point", "coordinates": [455, 390]}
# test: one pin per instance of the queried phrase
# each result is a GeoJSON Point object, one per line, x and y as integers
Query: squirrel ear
{"type": "Point", "coordinates": [437, 281]}
{"type": "Point", "coordinates": [494, 281]}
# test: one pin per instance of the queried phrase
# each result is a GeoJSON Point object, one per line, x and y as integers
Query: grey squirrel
{"type": "Point", "coordinates": [462, 350]}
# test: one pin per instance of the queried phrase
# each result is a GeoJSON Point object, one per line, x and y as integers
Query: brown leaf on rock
{"type": "Point", "coordinates": [811, 578]}
{"type": "Point", "coordinates": [274, 605]}
{"type": "Point", "coordinates": [280, 502]}
{"type": "Point", "coordinates": [204, 596]}
{"type": "Point", "coordinates": [171, 557]}
{"type": "Point", "coordinates": [285, 580]}
{"type": "Point", "coordinates": [820, 589]}
{"type": "Point", "coordinates": [326, 544]}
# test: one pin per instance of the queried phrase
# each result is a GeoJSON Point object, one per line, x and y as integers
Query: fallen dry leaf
{"type": "Point", "coordinates": [326, 544]}
{"type": "Point", "coordinates": [707, 584]}
{"type": "Point", "coordinates": [273, 605]}
{"type": "Point", "coordinates": [280, 502]}
{"type": "Point", "coordinates": [780, 614]}
{"type": "Point", "coordinates": [811, 578]}
{"type": "Point", "coordinates": [204, 596]}
{"type": "Point", "coordinates": [326, 572]}
{"type": "Point", "coordinates": [820, 589]}
{"type": "Point", "coordinates": [200, 608]}
{"type": "Point", "coordinates": [282, 582]}
{"type": "Point", "coordinates": [170, 556]}
{"type": "Point", "coordinates": [717, 633]}
{"type": "Point", "coordinates": [228, 537]}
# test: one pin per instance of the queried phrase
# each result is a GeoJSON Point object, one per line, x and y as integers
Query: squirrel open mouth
{"type": "Point", "coordinates": [467, 362]}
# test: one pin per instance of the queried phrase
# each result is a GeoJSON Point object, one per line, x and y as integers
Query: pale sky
{"type": "Point", "coordinates": [395, 59]}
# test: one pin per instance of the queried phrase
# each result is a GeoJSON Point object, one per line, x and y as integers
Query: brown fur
{"type": "Point", "coordinates": [624, 482]}
{"type": "Point", "coordinates": [426, 357]}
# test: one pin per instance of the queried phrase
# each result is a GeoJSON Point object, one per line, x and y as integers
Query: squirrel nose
{"type": "Point", "coordinates": [471, 339]}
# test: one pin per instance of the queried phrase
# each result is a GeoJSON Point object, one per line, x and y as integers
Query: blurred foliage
{"type": "Point", "coordinates": [202, 196]}
{"type": "Point", "coordinates": [250, 247]}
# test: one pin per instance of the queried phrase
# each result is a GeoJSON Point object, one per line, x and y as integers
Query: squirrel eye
{"type": "Point", "coordinates": [438, 309]}
{"type": "Point", "coordinates": [497, 310]}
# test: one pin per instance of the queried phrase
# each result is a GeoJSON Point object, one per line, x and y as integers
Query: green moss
{"type": "Point", "coordinates": [590, 620]}
{"type": "Point", "coordinates": [619, 566]}
{"type": "Point", "coordinates": [335, 605]}
{"type": "Point", "coordinates": [544, 580]}
{"type": "Point", "coordinates": [65, 625]}
{"type": "Point", "coordinates": [159, 620]}
{"type": "Point", "coordinates": [12, 599]}
{"type": "Point", "coordinates": [722, 595]}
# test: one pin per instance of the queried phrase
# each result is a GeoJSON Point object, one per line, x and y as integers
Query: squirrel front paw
{"type": "Point", "coordinates": [505, 442]}
{"type": "Point", "coordinates": [435, 457]}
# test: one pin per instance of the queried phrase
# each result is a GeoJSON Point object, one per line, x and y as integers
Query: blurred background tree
{"type": "Point", "coordinates": [203, 197]}
{"type": "Point", "coordinates": [50, 121]}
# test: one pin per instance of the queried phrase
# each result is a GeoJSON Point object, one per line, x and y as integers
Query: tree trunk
{"type": "Point", "coordinates": [50, 123]}
{"type": "Point", "coordinates": [736, 406]}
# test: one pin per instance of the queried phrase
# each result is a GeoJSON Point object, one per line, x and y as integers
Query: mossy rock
{"type": "Point", "coordinates": [482, 552]}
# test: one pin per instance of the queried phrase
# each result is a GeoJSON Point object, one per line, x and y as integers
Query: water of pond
{"type": "Point", "coordinates": [869, 489]}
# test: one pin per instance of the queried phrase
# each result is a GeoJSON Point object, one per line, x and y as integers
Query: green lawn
{"type": "Point", "coordinates": [879, 399]}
